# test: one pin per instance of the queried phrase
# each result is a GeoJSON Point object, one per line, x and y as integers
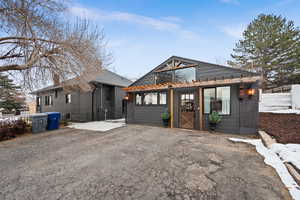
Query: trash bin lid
{"type": "Point", "coordinates": [53, 114]}
{"type": "Point", "coordinates": [39, 115]}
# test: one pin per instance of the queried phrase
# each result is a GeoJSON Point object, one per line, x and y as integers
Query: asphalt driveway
{"type": "Point", "coordinates": [134, 162]}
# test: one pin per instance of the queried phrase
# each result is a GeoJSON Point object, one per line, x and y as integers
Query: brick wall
{"type": "Point", "coordinates": [284, 127]}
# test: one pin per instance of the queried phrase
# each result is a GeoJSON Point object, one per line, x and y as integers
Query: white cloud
{"type": "Point", "coordinates": [173, 19]}
{"type": "Point", "coordinates": [235, 2]}
{"type": "Point", "coordinates": [235, 31]}
{"type": "Point", "coordinates": [169, 24]}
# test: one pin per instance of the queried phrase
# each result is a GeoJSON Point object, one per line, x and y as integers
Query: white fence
{"type": "Point", "coordinates": [280, 101]}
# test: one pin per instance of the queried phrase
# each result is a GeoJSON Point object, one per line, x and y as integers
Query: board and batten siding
{"type": "Point", "coordinates": [81, 107]}
{"type": "Point", "coordinates": [145, 114]}
{"type": "Point", "coordinates": [203, 72]}
{"type": "Point", "coordinates": [243, 116]}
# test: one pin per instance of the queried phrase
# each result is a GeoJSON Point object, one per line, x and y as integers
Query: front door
{"type": "Point", "coordinates": [187, 110]}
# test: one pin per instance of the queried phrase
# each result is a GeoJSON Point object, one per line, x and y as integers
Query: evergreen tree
{"type": "Point", "coordinates": [270, 46]}
{"type": "Point", "coordinates": [10, 96]}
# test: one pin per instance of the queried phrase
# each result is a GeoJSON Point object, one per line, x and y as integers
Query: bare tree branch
{"type": "Point", "coordinates": [36, 43]}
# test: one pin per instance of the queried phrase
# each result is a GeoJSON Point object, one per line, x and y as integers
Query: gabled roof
{"type": "Point", "coordinates": [111, 78]}
{"type": "Point", "coordinates": [192, 61]}
{"type": "Point", "coordinates": [105, 77]}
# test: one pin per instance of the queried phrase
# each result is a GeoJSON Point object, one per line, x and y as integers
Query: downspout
{"type": "Point", "coordinates": [93, 92]}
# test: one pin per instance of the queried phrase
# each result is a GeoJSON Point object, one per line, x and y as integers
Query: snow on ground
{"type": "Point", "coordinates": [288, 153]}
{"type": "Point", "coordinates": [285, 111]}
{"type": "Point", "coordinates": [98, 125]}
{"type": "Point", "coordinates": [9, 119]}
{"type": "Point", "coordinates": [273, 160]}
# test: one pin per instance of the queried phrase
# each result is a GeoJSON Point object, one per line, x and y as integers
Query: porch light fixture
{"type": "Point", "coordinates": [251, 92]}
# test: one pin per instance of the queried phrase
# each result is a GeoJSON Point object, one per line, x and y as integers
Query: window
{"type": "Point", "coordinates": [55, 93]}
{"type": "Point", "coordinates": [48, 100]}
{"type": "Point", "coordinates": [68, 116]}
{"type": "Point", "coordinates": [162, 98]}
{"type": "Point", "coordinates": [38, 101]}
{"type": "Point", "coordinates": [217, 99]}
{"type": "Point", "coordinates": [68, 98]}
{"type": "Point", "coordinates": [223, 100]}
{"type": "Point", "coordinates": [150, 98]}
{"type": "Point", "coordinates": [185, 75]}
{"type": "Point", "coordinates": [164, 77]}
{"type": "Point", "coordinates": [138, 99]}
{"type": "Point", "coordinates": [209, 97]}
{"type": "Point", "coordinates": [187, 102]}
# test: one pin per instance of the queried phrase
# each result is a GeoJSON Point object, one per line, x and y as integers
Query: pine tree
{"type": "Point", "coordinates": [270, 46]}
{"type": "Point", "coordinates": [10, 95]}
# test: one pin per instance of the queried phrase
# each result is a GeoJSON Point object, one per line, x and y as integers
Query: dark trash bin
{"type": "Point", "coordinates": [53, 120]}
{"type": "Point", "coordinates": [39, 122]}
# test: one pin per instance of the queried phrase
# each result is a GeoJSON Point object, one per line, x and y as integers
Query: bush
{"type": "Point", "coordinates": [215, 118]}
{"type": "Point", "coordinates": [10, 129]}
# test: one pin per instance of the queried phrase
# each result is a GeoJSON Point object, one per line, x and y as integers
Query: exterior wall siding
{"type": "Point", "coordinates": [229, 123]}
{"type": "Point", "coordinates": [119, 95]}
{"type": "Point", "coordinates": [203, 72]}
{"type": "Point", "coordinates": [243, 116]}
{"type": "Point", "coordinates": [145, 114]}
{"type": "Point", "coordinates": [81, 107]}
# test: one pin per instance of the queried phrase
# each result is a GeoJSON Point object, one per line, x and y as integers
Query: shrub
{"type": "Point", "coordinates": [10, 129]}
{"type": "Point", "coordinates": [214, 117]}
{"type": "Point", "coordinates": [165, 115]}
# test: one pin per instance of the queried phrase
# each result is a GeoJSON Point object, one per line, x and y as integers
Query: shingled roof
{"type": "Point", "coordinates": [105, 77]}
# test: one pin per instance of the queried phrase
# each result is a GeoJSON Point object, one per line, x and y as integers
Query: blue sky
{"type": "Point", "coordinates": [143, 33]}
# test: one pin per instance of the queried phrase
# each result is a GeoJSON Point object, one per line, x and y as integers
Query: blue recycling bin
{"type": "Point", "coordinates": [53, 120]}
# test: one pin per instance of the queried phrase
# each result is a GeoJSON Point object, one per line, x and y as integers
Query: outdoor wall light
{"type": "Point", "coordinates": [251, 92]}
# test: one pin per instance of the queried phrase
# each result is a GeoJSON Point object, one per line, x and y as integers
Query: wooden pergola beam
{"type": "Point", "coordinates": [193, 84]}
{"type": "Point", "coordinates": [176, 67]}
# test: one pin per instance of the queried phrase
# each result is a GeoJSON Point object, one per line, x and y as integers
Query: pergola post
{"type": "Point", "coordinates": [171, 106]}
{"type": "Point", "coordinates": [201, 111]}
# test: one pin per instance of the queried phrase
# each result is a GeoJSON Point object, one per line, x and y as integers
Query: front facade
{"type": "Point", "coordinates": [190, 90]}
{"type": "Point", "coordinates": [104, 102]}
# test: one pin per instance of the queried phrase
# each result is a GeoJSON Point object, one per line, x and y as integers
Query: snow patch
{"type": "Point", "coordinates": [273, 160]}
{"type": "Point", "coordinates": [285, 111]}
{"type": "Point", "coordinates": [288, 153]}
{"type": "Point", "coordinates": [97, 126]}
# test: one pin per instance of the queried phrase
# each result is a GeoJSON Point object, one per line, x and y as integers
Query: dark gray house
{"type": "Point", "coordinates": [104, 102]}
{"type": "Point", "coordinates": [190, 90]}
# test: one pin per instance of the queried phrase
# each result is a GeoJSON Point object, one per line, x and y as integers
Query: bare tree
{"type": "Point", "coordinates": [38, 44]}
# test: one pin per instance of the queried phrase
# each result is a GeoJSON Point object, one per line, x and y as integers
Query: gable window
{"type": "Point", "coordinates": [162, 98]}
{"type": "Point", "coordinates": [138, 99]}
{"type": "Point", "coordinates": [150, 98]}
{"type": "Point", "coordinates": [164, 77]}
{"type": "Point", "coordinates": [48, 100]}
{"type": "Point", "coordinates": [185, 75]}
{"type": "Point", "coordinates": [217, 99]}
{"type": "Point", "coordinates": [68, 98]}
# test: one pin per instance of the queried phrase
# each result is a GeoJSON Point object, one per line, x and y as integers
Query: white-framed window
{"type": "Point", "coordinates": [150, 98]}
{"type": "Point", "coordinates": [48, 100]}
{"type": "Point", "coordinates": [68, 98]}
{"type": "Point", "coordinates": [138, 99]}
{"type": "Point", "coordinates": [38, 101]}
{"type": "Point", "coordinates": [217, 99]}
{"type": "Point", "coordinates": [162, 98]}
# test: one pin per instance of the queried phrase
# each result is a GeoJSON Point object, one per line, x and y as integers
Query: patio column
{"type": "Point", "coordinates": [171, 106]}
{"type": "Point", "coordinates": [201, 111]}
